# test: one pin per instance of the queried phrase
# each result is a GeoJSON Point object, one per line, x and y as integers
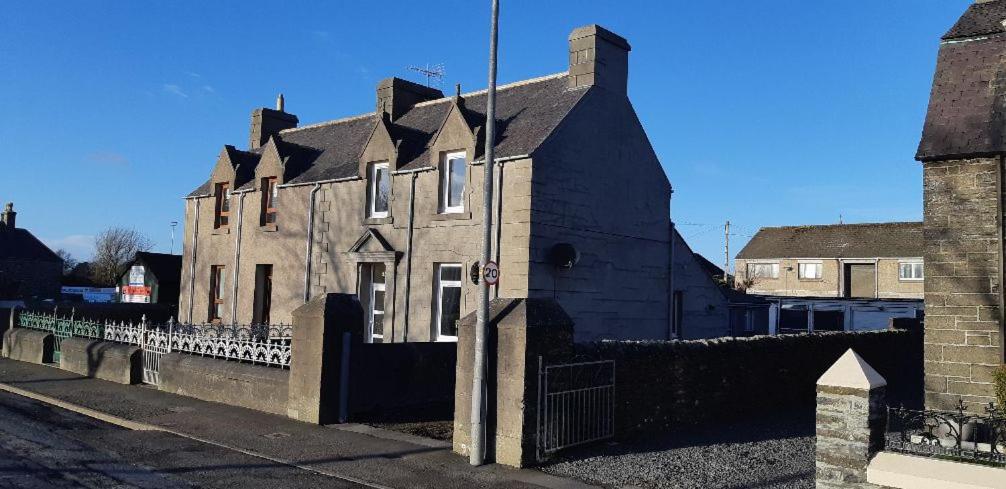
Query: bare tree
{"type": "Point", "coordinates": [113, 248]}
{"type": "Point", "coordinates": [69, 262]}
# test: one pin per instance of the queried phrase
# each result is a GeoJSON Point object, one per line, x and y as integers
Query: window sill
{"type": "Point", "coordinates": [222, 230]}
{"type": "Point", "coordinates": [451, 216]}
{"type": "Point", "coordinates": [369, 221]}
{"type": "Point", "coordinates": [912, 280]}
{"type": "Point", "coordinates": [811, 279]}
{"type": "Point", "coordinates": [268, 228]}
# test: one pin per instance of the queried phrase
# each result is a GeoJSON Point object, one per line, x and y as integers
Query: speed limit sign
{"type": "Point", "coordinates": [491, 273]}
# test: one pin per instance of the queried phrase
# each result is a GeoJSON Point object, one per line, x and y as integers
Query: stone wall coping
{"type": "Point", "coordinates": [898, 471]}
{"type": "Point", "coordinates": [852, 372]}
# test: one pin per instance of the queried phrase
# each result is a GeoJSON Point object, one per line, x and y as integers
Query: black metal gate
{"type": "Point", "coordinates": [576, 404]}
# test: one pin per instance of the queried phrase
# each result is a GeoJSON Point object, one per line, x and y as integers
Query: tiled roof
{"type": "Point", "coordinates": [889, 239]}
{"type": "Point", "coordinates": [967, 108]}
{"type": "Point", "coordinates": [20, 244]}
{"type": "Point", "coordinates": [527, 112]}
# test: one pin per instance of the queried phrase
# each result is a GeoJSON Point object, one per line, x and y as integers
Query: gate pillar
{"type": "Point", "coordinates": [519, 331]}
{"type": "Point", "coordinates": [322, 328]}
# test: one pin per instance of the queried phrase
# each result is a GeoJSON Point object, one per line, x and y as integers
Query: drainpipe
{"type": "Point", "coordinates": [408, 256]}
{"type": "Point", "coordinates": [192, 258]}
{"type": "Point", "coordinates": [310, 244]}
{"type": "Point", "coordinates": [237, 260]}
{"type": "Point", "coordinates": [499, 220]}
{"type": "Point", "coordinates": [671, 333]}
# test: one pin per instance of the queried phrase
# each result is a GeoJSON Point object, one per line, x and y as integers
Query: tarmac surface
{"type": "Point", "coordinates": [184, 442]}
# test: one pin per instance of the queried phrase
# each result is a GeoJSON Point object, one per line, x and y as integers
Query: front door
{"type": "Point", "coordinates": [860, 280]}
{"type": "Point", "coordinates": [375, 307]}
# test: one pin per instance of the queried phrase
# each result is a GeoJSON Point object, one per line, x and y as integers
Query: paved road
{"type": "Point", "coordinates": [43, 446]}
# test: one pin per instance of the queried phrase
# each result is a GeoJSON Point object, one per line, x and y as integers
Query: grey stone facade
{"type": "Point", "coordinates": [574, 166]}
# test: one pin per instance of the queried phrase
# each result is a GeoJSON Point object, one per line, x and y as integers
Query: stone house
{"type": "Point", "coordinates": [881, 260]}
{"type": "Point", "coordinates": [387, 205]}
{"type": "Point", "coordinates": [28, 268]}
{"type": "Point", "coordinates": [962, 154]}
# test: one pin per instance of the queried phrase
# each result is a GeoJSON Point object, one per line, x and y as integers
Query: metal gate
{"type": "Point", "coordinates": [155, 343]}
{"type": "Point", "coordinates": [576, 404]}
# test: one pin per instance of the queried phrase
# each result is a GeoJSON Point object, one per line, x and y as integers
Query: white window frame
{"type": "Point", "coordinates": [911, 264]}
{"type": "Point", "coordinates": [375, 308]}
{"type": "Point", "coordinates": [800, 270]}
{"type": "Point", "coordinates": [445, 183]}
{"type": "Point", "coordinates": [372, 189]}
{"type": "Point", "coordinates": [440, 285]}
{"type": "Point", "coordinates": [774, 265]}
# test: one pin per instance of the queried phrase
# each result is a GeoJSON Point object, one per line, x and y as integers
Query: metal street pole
{"type": "Point", "coordinates": [476, 455]}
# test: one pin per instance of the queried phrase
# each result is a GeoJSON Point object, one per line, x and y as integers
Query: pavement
{"type": "Point", "coordinates": [137, 436]}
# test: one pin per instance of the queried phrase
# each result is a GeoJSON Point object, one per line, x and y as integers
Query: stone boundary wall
{"type": "Point", "coordinates": [666, 384]}
{"type": "Point", "coordinates": [27, 345]}
{"type": "Point", "coordinates": [115, 362]}
{"type": "Point", "coordinates": [227, 382]}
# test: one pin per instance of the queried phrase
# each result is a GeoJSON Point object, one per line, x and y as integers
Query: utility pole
{"type": "Point", "coordinates": [726, 251]}
{"type": "Point", "coordinates": [476, 455]}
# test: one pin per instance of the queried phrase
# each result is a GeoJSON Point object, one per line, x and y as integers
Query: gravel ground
{"type": "Point", "coordinates": [765, 454]}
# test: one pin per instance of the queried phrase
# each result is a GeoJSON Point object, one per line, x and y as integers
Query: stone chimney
{"type": "Point", "coordinates": [396, 96]}
{"type": "Point", "coordinates": [9, 217]}
{"type": "Point", "coordinates": [269, 122]}
{"type": "Point", "coordinates": [598, 57]}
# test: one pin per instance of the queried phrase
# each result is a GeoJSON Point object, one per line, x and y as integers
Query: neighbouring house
{"type": "Point", "coordinates": [28, 268]}
{"type": "Point", "coordinates": [878, 260]}
{"type": "Point", "coordinates": [962, 151]}
{"type": "Point", "coordinates": [151, 278]}
{"type": "Point", "coordinates": [387, 205]}
{"type": "Point", "coordinates": [705, 304]}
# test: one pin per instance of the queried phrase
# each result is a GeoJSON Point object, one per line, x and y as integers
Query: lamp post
{"type": "Point", "coordinates": [476, 455]}
{"type": "Point", "coordinates": [171, 251]}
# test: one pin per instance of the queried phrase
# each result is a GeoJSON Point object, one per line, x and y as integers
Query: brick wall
{"type": "Point", "coordinates": [963, 286]}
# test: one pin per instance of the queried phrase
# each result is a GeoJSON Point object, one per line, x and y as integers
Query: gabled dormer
{"type": "Point", "coordinates": [452, 149]}
{"type": "Point", "coordinates": [270, 173]}
{"type": "Point", "coordinates": [222, 181]}
{"type": "Point", "coordinates": [378, 159]}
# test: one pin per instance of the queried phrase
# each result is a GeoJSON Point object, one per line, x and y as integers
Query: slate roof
{"type": "Point", "coordinates": [967, 107]}
{"type": "Point", "coordinates": [527, 112]}
{"type": "Point", "coordinates": [20, 244]}
{"type": "Point", "coordinates": [167, 268]}
{"type": "Point", "coordinates": [874, 240]}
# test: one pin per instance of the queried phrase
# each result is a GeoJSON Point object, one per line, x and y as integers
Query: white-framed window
{"type": "Point", "coordinates": [809, 271]}
{"type": "Point", "coordinates": [379, 189]}
{"type": "Point", "coordinates": [448, 306]}
{"type": "Point", "coordinates": [453, 173]}
{"type": "Point", "coordinates": [911, 270]}
{"type": "Point", "coordinates": [375, 320]}
{"type": "Point", "coordinates": [763, 270]}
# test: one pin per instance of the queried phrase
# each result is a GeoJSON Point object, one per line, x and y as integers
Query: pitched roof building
{"type": "Point", "coordinates": [879, 260]}
{"type": "Point", "coordinates": [28, 268]}
{"type": "Point", "coordinates": [384, 205]}
{"type": "Point", "coordinates": [962, 150]}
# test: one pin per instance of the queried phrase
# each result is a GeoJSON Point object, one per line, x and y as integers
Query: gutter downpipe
{"type": "Point", "coordinates": [237, 260]}
{"type": "Point", "coordinates": [408, 256]}
{"type": "Point", "coordinates": [310, 244]}
{"type": "Point", "coordinates": [499, 220]}
{"type": "Point", "coordinates": [192, 260]}
{"type": "Point", "coordinates": [671, 330]}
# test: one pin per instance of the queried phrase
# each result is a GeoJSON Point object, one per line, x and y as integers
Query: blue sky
{"type": "Point", "coordinates": [765, 113]}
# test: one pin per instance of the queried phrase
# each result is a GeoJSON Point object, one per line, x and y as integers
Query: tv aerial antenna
{"type": "Point", "coordinates": [432, 72]}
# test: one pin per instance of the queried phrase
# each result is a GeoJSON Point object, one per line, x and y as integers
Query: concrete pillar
{"type": "Point", "coordinates": [322, 330]}
{"type": "Point", "coordinates": [519, 331]}
{"type": "Point", "coordinates": [851, 421]}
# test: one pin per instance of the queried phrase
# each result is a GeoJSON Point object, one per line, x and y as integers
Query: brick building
{"type": "Point", "coordinates": [876, 260]}
{"type": "Point", "coordinates": [28, 268]}
{"type": "Point", "coordinates": [962, 153]}
{"type": "Point", "coordinates": [387, 205]}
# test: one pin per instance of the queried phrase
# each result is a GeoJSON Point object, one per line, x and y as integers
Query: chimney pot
{"type": "Point", "coordinates": [598, 57]}
{"type": "Point", "coordinates": [280, 103]}
{"type": "Point", "coordinates": [9, 217]}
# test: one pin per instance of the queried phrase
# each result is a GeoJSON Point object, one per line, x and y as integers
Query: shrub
{"type": "Point", "coordinates": [1000, 385]}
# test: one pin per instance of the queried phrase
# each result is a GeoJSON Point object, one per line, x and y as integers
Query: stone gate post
{"type": "Point", "coordinates": [322, 330]}
{"type": "Point", "coordinates": [851, 421]}
{"type": "Point", "coordinates": [519, 331]}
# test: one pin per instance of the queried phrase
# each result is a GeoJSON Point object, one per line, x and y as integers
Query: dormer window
{"type": "Point", "coordinates": [453, 172]}
{"type": "Point", "coordinates": [222, 209]}
{"type": "Point", "coordinates": [379, 189]}
{"type": "Point", "coordinates": [270, 192]}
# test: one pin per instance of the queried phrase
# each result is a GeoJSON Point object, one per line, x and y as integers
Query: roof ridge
{"type": "Point", "coordinates": [849, 224]}
{"type": "Point", "coordinates": [329, 123]}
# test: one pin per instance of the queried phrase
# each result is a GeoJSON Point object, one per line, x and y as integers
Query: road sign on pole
{"type": "Point", "coordinates": [491, 273]}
